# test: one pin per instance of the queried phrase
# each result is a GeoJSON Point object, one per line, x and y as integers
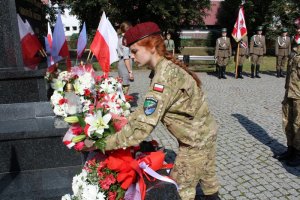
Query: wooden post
{"type": "Point", "coordinates": [88, 56]}
{"type": "Point", "coordinates": [237, 60]}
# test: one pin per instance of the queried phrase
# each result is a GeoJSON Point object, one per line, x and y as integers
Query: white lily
{"type": "Point", "coordinates": [107, 87]}
{"type": "Point", "coordinates": [97, 123]}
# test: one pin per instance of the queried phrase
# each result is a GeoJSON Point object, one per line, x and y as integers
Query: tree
{"type": "Point", "coordinates": [168, 14]}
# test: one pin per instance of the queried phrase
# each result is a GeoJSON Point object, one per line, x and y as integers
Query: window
{"type": "Point", "coordinates": [67, 28]}
{"type": "Point", "coordinates": [74, 28]}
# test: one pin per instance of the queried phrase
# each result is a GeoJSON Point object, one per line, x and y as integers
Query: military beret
{"type": "Point", "coordinates": [259, 28]}
{"type": "Point", "coordinates": [284, 30]}
{"type": "Point", "coordinates": [139, 32]}
{"type": "Point", "coordinates": [224, 30]}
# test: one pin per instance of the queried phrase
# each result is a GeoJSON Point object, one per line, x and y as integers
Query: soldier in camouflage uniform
{"type": "Point", "coordinates": [291, 110]}
{"type": "Point", "coordinates": [243, 54]}
{"type": "Point", "coordinates": [176, 99]}
{"type": "Point", "coordinates": [282, 51]}
{"type": "Point", "coordinates": [222, 53]}
{"type": "Point", "coordinates": [257, 51]}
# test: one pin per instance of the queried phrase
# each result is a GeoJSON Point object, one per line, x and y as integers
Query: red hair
{"type": "Point", "coordinates": [158, 42]}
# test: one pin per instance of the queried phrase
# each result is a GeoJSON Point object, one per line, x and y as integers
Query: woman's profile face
{"type": "Point", "coordinates": [140, 54]}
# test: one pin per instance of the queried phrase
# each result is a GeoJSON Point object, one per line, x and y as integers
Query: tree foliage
{"type": "Point", "coordinates": [168, 14]}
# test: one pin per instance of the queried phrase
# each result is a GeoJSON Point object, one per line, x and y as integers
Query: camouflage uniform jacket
{"type": "Point", "coordinates": [292, 84]}
{"type": "Point", "coordinates": [175, 99]}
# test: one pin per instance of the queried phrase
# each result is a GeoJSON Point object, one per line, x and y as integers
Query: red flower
{"type": "Point", "coordinates": [87, 92]}
{"type": "Point", "coordinates": [109, 179]}
{"type": "Point", "coordinates": [79, 146]}
{"type": "Point", "coordinates": [112, 195]}
{"type": "Point", "coordinates": [76, 130]}
{"type": "Point", "coordinates": [62, 101]}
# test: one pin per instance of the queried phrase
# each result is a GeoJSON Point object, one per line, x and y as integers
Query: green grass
{"type": "Point", "coordinates": [269, 65]}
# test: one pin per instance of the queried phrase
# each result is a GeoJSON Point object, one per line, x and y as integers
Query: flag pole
{"type": "Point", "coordinates": [88, 56]}
{"type": "Point", "coordinates": [237, 60]}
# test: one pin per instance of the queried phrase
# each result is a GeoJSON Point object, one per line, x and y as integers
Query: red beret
{"type": "Point", "coordinates": [140, 31]}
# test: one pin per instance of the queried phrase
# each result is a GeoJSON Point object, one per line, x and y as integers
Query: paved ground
{"type": "Point", "coordinates": [249, 116]}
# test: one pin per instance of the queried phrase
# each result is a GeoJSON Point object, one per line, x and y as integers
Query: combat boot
{"type": "Point", "coordinates": [287, 155]}
{"type": "Point", "coordinates": [295, 161]}
{"type": "Point", "coordinates": [219, 71]}
{"type": "Point", "coordinates": [214, 196]}
{"type": "Point", "coordinates": [240, 70]}
{"type": "Point", "coordinates": [257, 71]}
{"type": "Point", "coordinates": [223, 72]}
{"type": "Point", "coordinates": [280, 73]}
{"type": "Point", "coordinates": [277, 73]}
{"type": "Point", "coordinates": [252, 71]}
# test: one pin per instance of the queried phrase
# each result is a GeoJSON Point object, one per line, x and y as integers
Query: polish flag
{"type": "Point", "coordinates": [35, 39]}
{"type": "Point", "coordinates": [240, 29]}
{"type": "Point", "coordinates": [48, 46]}
{"type": "Point", "coordinates": [105, 43]}
{"type": "Point", "coordinates": [158, 87]}
{"type": "Point", "coordinates": [59, 43]}
{"type": "Point", "coordinates": [82, 41]}
{"type": "Point", "coordinates": [29, 49]}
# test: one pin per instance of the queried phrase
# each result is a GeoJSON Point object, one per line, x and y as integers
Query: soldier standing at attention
{"type": "Point", "coordinates": [176, 98]}
{"type": "Point", "coordinates": [257, 51]}
{"type": "Point", "coordinates": [243, 54]}
{"type": "Point", "coordinates": [222, 53]}
{"type": "Point", "coordinates": [282, 51]}
{"type": "Point", "coordinates": [291, 109]}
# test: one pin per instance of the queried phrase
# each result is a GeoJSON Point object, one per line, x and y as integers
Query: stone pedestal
{"type": "Point", "coordinates": [34, 163]}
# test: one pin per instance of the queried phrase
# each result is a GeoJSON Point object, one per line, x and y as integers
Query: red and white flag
{"type": "Point", "coordinates": [105, 43]}
{"type": "Point", "coordinates": [82, 41]}
{"type": "Point", "coordinates": [35, 39]}
{"type": "Point", "coordinates": [28, 45]}
{"type": "Point", "coordinates": [240, 29]}
{"type": "Point", "coordinates": [59, 43]}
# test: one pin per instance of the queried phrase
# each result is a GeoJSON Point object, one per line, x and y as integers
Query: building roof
{"type": "Point", "coordinates": [211, 18]}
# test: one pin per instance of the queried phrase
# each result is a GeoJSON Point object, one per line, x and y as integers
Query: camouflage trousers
{"type": "Point", "coordinates": [256, 59]}
{"type": "Point", "coordinates": [193, 166]}
{"type": "Point", "coordinates": [281, 62]}
{"type": "Point", "coordinates": [222, 61]}
{"type": "Point", "coordinates": [291, 121]}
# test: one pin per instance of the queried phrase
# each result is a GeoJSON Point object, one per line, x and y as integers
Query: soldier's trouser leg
{"type": "Point", "coordinates": [193, 166]}
{"type": "Point", "coordinates": [278, 65]}
{"type": "Point", "coordinates": [257, 71]}
{"type": "Point", "coordinates": [295, 160]}
{"type": "Point", "coordinates": [287, 120]}
{"type": "Point", "coordinates": [283, 63]}
{"type": "Point", "coordinates": [252, 70]}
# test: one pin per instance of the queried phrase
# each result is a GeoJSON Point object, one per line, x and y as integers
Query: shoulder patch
{"type": "Point", "coordinates": [150, 105]}
{"type": "Point", "coordinates": [158, 87]}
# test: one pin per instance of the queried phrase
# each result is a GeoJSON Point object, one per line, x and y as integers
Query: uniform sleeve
{"type": "Point", "coordinates": [276, 46]}
{"type": "Point", "coordinates": [251, 44]}
{"type": "Point", "coordinates": [141, 122]}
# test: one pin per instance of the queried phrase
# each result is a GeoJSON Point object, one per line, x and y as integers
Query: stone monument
{"type": "Point", "coordinates": [34, 163]}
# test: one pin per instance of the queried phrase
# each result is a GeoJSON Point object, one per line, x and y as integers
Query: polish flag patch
{"type": "Point", "coordinates": [158, 87]}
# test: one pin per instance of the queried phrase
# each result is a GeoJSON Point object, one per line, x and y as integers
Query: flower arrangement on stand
{"type": "Point", "coordinates": [95, 107]}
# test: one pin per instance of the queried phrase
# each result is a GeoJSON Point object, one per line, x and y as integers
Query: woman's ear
{"type": "Point", "coordinates": [153, 50]}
